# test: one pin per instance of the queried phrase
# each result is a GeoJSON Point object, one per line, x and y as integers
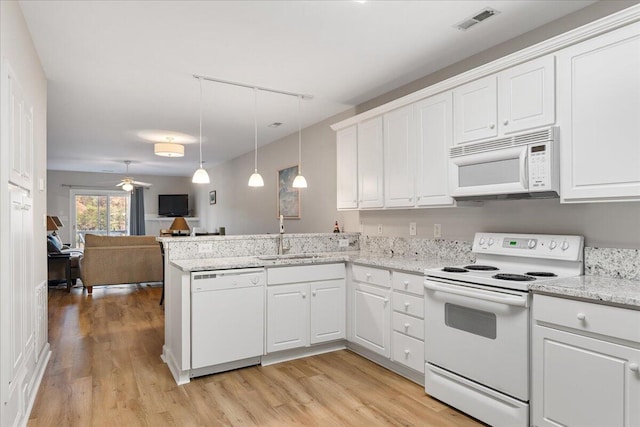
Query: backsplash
{"type": "Point", "coordinates": [612, 262]}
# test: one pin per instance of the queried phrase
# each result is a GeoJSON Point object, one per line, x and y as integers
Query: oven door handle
{"type": "Point", "coordinates": [487, 296]}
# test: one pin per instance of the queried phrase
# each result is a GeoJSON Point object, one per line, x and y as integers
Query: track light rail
{"type": "Point", "coordinates": [264, 89]}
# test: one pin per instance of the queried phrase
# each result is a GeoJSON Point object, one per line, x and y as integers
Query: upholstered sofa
{"type": "Point", "coordinates": [111, 260]}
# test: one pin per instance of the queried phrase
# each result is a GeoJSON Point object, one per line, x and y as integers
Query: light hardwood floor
{"type": "Point", "coordinates": [106, 371]}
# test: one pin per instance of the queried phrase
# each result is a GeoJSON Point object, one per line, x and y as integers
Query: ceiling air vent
{"type": "Point", "coordinates": [485, 13]}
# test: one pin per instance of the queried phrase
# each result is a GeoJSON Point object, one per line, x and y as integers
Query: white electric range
{"type": "Point", "coordinates": [477, 322]}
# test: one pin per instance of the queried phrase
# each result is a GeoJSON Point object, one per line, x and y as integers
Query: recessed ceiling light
{"type": "Point", "coordinates": [275, 124]}
{"type": "Point", "coordinates": [477, 18]}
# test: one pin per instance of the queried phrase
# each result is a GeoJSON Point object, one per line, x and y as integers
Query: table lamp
{"type": "Point", "coordinates": [179, 225]}
{"type": "Point", "coordinates": [51, 224]}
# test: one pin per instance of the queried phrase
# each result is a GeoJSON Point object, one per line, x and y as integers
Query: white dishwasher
{"type": "Point", "coordinates": [227, 319]}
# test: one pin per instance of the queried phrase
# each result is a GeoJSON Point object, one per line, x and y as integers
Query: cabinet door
{"type": "Point", "coordinates": [526, 96]}
{"type": "Point", "coordinates": [475, 110]}
{"type": "Point", "coordinates": [16, 129]}
{"type": "Point", "coordinates": [287, 317]}
{"type": "Point", "coordinates": [371, 320]}
{"type": "Point", "coordinates": [581, 381]}
{"type": "Point", "coordinates": [598, 110]}
{"type": "Point", "coordinates": [347, 168]}
{"type": "Point", "coordinates": [435, 132]}
{"type": "Point", "coordinates": [370, 164]}
{"type": "Point", "coordinates": [327, 311]}
{"type": "Point", "coordinates": [399, 157]}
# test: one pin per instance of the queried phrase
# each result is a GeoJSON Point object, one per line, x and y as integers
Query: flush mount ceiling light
{"type": "Point", "coordinates": [168, 149]}
{"type": "Point", "coordinates": [255, 180]}
{"type": "Point", "coordinates": [299, 181]}
{"type": "Point", "coordinates": [477, 18]}
{"type": "Point", "coordinates": [200, 176]}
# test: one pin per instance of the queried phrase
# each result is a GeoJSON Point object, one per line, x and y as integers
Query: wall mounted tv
{"type": "Point", "coordinates": [173, 204]}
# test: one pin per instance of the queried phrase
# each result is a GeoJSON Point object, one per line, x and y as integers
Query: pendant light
{"type": "Point", "coordinates": [299, 181]}
{"type": "Point", "coordinates": [168, 149]}
{"type": "Point", "coordinates": [200, 176]}
{"type": "Point", "coordinates": [255, 180]}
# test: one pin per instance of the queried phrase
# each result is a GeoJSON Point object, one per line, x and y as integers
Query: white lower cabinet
{"type": "Point", "coordinates": [371, 318]}
{"type": "Point", "coordinates": [585, 364]}
{"type": "Point", "coordinates": [305, 305]}
{"type": "Point", "coordinates": [408, 320]}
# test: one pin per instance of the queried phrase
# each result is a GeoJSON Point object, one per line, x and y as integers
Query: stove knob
{"type": "Point", "coordinates": [564, 246]}
{"type": "Point", "coordinates": [532, 244]}
{"type": "Point", "coordinates": [490, 241]}
{"type": "Point", "coordinates": [481, 241]}
{"type": "Point", "coordinates": [553, 244]}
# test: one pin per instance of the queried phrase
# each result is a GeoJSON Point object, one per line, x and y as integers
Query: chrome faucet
{"type": "Point", "coordinates": [280, 236]}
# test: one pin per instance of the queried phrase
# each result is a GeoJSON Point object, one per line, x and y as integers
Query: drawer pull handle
{"type": "Point", "coordinates": [368, 275]}
{"type": "Point", "coordinates": [406, 284]}
{"type": "Point", "coordinates": [304, 294]}
{"type": "Point", "coordinates": [581, 316]}
{"type": "Point", "coordinates": [633, 367]}
{"type": "Point", "coordinates": [406, 306]}
{"type": "Point", "coordinates": [406, 326]}
{"type": "Point", "coordinates": [406, 353]}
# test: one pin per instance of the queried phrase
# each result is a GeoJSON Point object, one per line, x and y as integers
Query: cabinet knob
{"type": "Point", "coordinates": [633, 367]}
{"type": "Point", "coordinates": [313, 293]}
{"type": "Point", "coordinates": [386, 301]}
{"type": "Point", "coordinates": [506, 122]}
{"type": "Point", "coordinates": [410, 198]}
{"type": "Point", "coordinates": [418, 198]}
{"type": "Point", "coordinates": [581, 316]}
{"type": "Point", "coordinates": [406, 305]}
{"type": "Point", "coordinates": [368, 275]}
{"type": "Point", "coordinates": [406, 326]}
{"type": "Point", "coordinates": [406, 284]}
{"type": "Point", "coordinates": [406, 353]}
{"type": "Point", "coordinates": [492, 125]}
{"type": "Point", "coordinates": [304, 294]}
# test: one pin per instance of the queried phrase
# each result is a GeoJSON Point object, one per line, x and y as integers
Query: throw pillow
{"type": "Point", "coordinates": [51, 246]}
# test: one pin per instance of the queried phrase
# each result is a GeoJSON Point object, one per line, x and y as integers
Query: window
{"type": "Point", "coordinates": [100, 212]}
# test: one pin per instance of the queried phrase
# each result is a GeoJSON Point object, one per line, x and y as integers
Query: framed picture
{"type": "Point", "coordinates": [288, 197]}
{"type": "Point", "coordinates": [212, 197]}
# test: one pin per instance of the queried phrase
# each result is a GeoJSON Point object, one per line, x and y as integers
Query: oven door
{"type": "Point", "coordinates": [502, 171]}
{"type": "Point", "coordinates": [479, 333]}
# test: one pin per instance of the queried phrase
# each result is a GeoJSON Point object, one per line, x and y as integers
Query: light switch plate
{"type": "Point", "coordinates": [379, 228]}
{"type": "Point", "coordinates": [437, 231]}
{"type": "Point", "coordinates": [412, 229]}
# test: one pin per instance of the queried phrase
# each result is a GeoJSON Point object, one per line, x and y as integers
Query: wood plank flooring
{"type": "Point", "coordinates": [106, 371]}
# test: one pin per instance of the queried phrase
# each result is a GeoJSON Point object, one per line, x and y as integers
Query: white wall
{"type": "Point", "coordinates": [244, 210]}
{"type": "Point", "coordinates": [58, 191]}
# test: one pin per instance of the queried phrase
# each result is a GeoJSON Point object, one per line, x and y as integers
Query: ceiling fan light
{"type": "Point", "coordinates": [299, 182]}
{"type": "Point", "coordinates": [127, 186]}
{"type": "Point", "coordinates": [168, 149]}
{"type": "Point", "coordinates": [200, 177]}
{"type": "Point", "coordinates": [255, 180]}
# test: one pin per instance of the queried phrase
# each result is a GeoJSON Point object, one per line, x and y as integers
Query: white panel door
{"type": "Point", "coordinates": [327, 311]}
{"type": "Point", "coordinates": [399, 157]}
{"type": "Point", "coordinates": [435, 133]}
{"type": "Point", "coordinates": [347, 168]}
{"type": "Point", "coordinates": [370, 164]}
{"type": "Point", "coordinates": [475, 110]}
{"type": "Point", "coordinates": [598, 111]}
{"type": "Point", "coordinates": [526, 96]}
{"type": "Point", "coordinates": [371, 320]}
{"type": "Point", "coordinates": [287, 317]}
{"type": "Point", "coordinates": [581, 381]}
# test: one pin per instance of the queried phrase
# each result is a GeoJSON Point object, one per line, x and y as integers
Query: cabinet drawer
{"type": "Point", "coordinates": [374, 276]}
{"type": "Point", "coordinates": [304, 273]}
{"type": "Point", "coordinates": [412, 283]}
{"type": "Point", "coordinates": [408, 304]}
{"type": "Point", "coordinates": [408, 351]}
{"type": "Point", "coordinates": [596, 318]}
{"type": "Point", "coordinates": [408, 325]}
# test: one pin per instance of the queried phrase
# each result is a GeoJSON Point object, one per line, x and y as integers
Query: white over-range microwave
{"type": "Point", "coordinates": [514, 167]}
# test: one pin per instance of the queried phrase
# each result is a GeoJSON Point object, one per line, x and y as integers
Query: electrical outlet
{"type": "Point", "coordinates": [437, 231]}
{"type": "Point", "coordinates": [205, 247]}
{"type": "Point", "coordinates": [379, 228]}
{"type": "Point", "coordinates": [412, 229]}
{"type": "Point", "coordinates": [343, 243]}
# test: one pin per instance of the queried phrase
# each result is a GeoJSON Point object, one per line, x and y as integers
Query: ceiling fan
{"type": "Point", "coordinates": [128, 182]}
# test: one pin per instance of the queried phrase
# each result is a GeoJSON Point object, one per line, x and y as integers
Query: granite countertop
{"type": "Point", "coordinates": [598, 289]}
{"type": "Point", "coordinates": [410, 264]}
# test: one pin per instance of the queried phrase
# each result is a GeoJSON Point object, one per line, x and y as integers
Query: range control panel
{"type": "Point", "coordinates": [564, 247]}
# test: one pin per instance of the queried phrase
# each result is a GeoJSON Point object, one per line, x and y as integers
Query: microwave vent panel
{"type": "Point", "coordinates": [535, 137]}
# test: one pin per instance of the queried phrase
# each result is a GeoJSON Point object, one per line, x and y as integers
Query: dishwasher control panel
{"type": "Point", "coordinates": [203, 281]}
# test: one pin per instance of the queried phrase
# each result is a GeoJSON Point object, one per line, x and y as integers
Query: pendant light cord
{"type": "Point", "coordinates": [200, 84]}
{"type": "Point", "coordinates": [255, 126]}
{"type": "Point", "coordinates": [299, 135]}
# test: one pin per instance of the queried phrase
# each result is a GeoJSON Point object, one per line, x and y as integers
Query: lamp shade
{"type": "Point", "coordinates": [168, 149]}
{"type": "Point", "coordinates": [255, 180]}
{"type": "Point", "coordinates": [127, 186]}
{"type": "Point", "coordinates": [179, 224]}
{"type": "Point", "coordinates": [51, 225]}
{"type": "Point", "coordinates": [299, 182]}
{"type": "Point", "coordinates": [57, 221]}
{"type": "Point", "coordinates": [200, 177]}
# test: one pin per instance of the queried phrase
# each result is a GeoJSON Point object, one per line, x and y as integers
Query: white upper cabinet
{"type": "Point", "coordinates": [526, 96]}
{"type": "Point", "coordinates": [475, 110]}
{"type": "Point", "coordinates": [434, 138]}
{"type": "Point", "coordinates": [516, 99]}
{"type": "Point", "coordinates": [20, 133]}
{"type": "Point", "coordinates": [400, 157]}
{"type": "Point", "coordinates": [370, 164]}
{"type": "Point", "coordinates": [347, 168]}
{"type": "Point", "coordinates": [599, 117]}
